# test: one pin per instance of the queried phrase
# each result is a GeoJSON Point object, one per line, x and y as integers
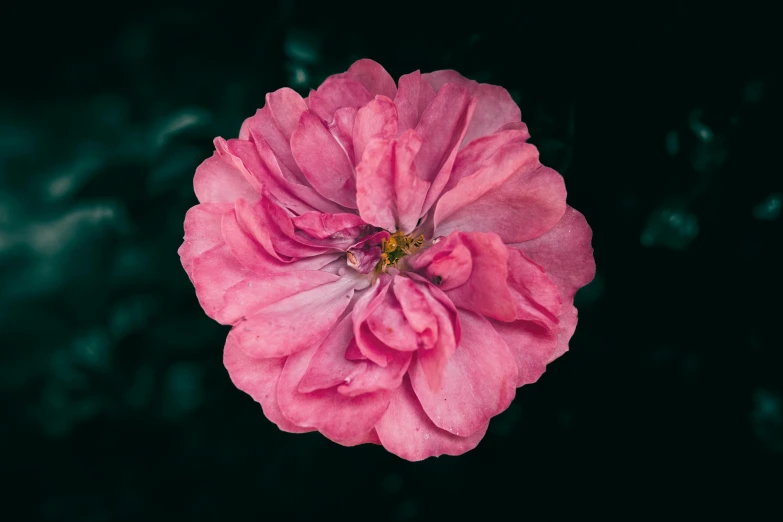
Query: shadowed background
{"type": "Point", "coordinates": [116, 405]}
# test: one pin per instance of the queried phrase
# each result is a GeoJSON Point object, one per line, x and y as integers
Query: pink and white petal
{"type": "Point", "coordinates": [214, 272]}
{"type": "Point", "coordinates": [323, 161]}
{"type": "Point", "coordinates": [344, 420]}
{"type": "Point", "coordinates": [406, 431]}
{"type": "Point", "coordinates": [373, 77]}
{"type": "Point", "coordinates": [565, 252]}
{"type": "Point", "coordinates": [376, 120]}
{"type": "Point", "coordinates": [335, 93]}
{"type": "Point", "coordinates": [568, 320]}
{"type": "Point", "coordinates": [417, 309]}
{"type": "Point", "coordinates": [531, 345]}
{"type": "Point", "coordinates": [479, 380]}
{"type": "Point", "coordinates": [258, 378]}
{"type": "Point", "coordinates": [441, 128]}
{"type": "Point", "coordinates": [217, 180]}
{"type": "Point", "coordinates": [433, 361]}
{"type": "Point", "coordinates": [413, 96]}
{"type": "Point", "coordinates": [525, 206]}
{"type": "Point", "coordinates": [297, 322]}
{"type": "Point", "coordinates": [375, 195]}
{"type": "Point", "coordinates": [495, 106]}
{"type": "Point", "coordinates": [202, 231]}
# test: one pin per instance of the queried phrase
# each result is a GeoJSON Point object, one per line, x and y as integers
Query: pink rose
{"type": "Point", "coordinates": [393, 259]}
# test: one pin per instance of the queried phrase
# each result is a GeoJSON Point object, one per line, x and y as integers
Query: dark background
{"type": "Point", "coordinates": [115, 402]}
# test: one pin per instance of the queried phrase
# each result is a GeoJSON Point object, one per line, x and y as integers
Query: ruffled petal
{"type": "Point", "coordinates": [345, 420]}
{"type": "Point", "coordinates": [342, 130]}
{"type": "Point", "coordinates": [323, 161]}
{"type": "Point", "coordinates": [263, 127]}
{"type": "Point", "coordinates": [265, 173]}
{"type": "Point", "coordinates": [495, 106]}
{"type": "Point", "coordinates": [214, 272]}
{"type": "Point", "coordinates": [376, 120]}
{"type": "Point", "coordinates": [218, 180]}
{"type": "Point", "coordinates": [372, 76]}
{"type": "Point", "coordinates": [413, 96]}
{"type": "Point", "coordinates": [465, 402]}
{"type": "Point", "coordinates": [441, 128]}
{"type": "Point", "coordinates": [565, 252]}
{"type": "Point", "coordinates": [531, 345]}
{"type": "Point", "coordinates": [297, 322]}
{"type": "Point", "coordinates": [406, 431]}
{"type": "Point", "coordinates": [567, 322]}
{"type": "Point", "coordinates": [389, 193]}
{"type": "Point", "coordinates": [527, 204]}
{"type": "Point", "coordinates": [536, 295]}
{"type": "Point", "coordinates": [336, 93]}
{"type": "Point", "coordinates": [202, 232]}
{"type": "Point", "coordinates": [258, 378]}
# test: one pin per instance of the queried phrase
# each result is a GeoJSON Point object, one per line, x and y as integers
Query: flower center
{"type": "Point", "coordinates": [395, 247]}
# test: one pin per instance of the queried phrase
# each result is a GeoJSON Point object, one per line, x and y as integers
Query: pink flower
{"type": "Point", "coordinates": [393, 259]}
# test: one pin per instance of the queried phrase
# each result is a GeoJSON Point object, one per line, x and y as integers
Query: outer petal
{"type": "Point", "coordinates": [336, 93]}
{"type": "Point", "coordinates": [441, 128]}
{"type": "Point", "coordinates": [565, 252]}
{"type": "Point", "coordinates": [531, 345]}
{"type": "Point", "coordinates": [568, 320]}
{"type": "Point", "coordinates": [479, 380]}
{"type": "Point", "coordinates": [495, 106]}
{"type": "Point", "coordinates": [297, 322]}
{"type": "Point", "coordinates": [323, 161]}
{"type": "Point", "coordinates": [406, 431]}
{"type": "Point", "coordinates": [214, 272]}
{"type": "Point", "coordinates": [218, 180]}
{"type": "Point", "coordinates": [372, 76]}
{"type": "Point", "coordinates": [345, 420]}
{"type": "Point", "coordinates": [202, 232]}
{"type": "Point", "coordinates": [526, 205]}
{"type": "Point", "coordinates": [413, 96]}
{"type": "Point", "coordinates": [536, 294]}
{"type": "Point", "coordinates": [263, 127]}
{"type": "Point", "coordinates": [258, 378]}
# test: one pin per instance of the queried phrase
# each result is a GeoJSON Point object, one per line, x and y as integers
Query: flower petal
{"type": "Point", "coordinates": [568, 320]}
{"type": "Point", "coordinates": [264, 171]}
{"type": "Point", "coordinates": [258, 378]}
{"type": "Point", "coordinates": [406, 431]}
{"type": "Point", "coordinates": [345, 420]}
{"type": "Point", "coordinates": [441, 128]}
{"type": "Point", "coordinates": [536, 295]}
{"type": "Point", "coordinates": [389, 193]}
{"type": "Point", "coordinates": [287, 107]}
{"type": "Point", "coordinates": [495, 106]}
{"type": "Point", "coordinates": [531, 345]}
{"type": "Point", "coordinates": [263, 127]}
{"type": "Point", "coordinates": [336, 93]}
{"type": "Point", "coordinates": [251, 253]}
{"type": "Point", "coordinates": [479, 380]}
{"type": "Point", "coordinates": [214, 272]}
{"type": "Point", "coordinates": [372, 76]}
{"type": "Point", "coordinates": [342, 130]}
{"type": "Point", "coordinates": [323, 161]}
{"type": "Point", "coordinates": [376, 120]}
{"type": "Point", "coordinates": [329, 366]}
{"type": "Point", "coordinates": [413, 96]}
{"type": "Point", "coordinates": [218, 180]}
{"type": "Point", "coordinates": [527, 204]}
{"type": "Point", "coordinates": [202, 232]}
{"type": "Point", "coordinates": [565, 252]}
{"type": "Point", "coordinates": [296, 322]}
